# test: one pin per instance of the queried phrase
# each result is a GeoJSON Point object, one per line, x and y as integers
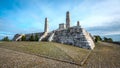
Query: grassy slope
{"type": "Point", "coordinates": [76, 53]}
{"type": "Point", "coordinates": [50, 49]}
{"type": "Point", "coordinates": [105, 55]}
{"type": "Point", "coordinates": [15, 59]}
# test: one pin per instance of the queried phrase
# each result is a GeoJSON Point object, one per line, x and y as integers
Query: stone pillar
{"type": "Point", "coordinates": [46, 25]}
{"type": "Point", "coordinates": [62, 26]}
{"type": "Point", "coordinates": [67, 20]}
{"type": "Point", "coordinates": [78, 23]}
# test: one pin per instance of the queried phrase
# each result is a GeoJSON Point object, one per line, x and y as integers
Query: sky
{"type": "Point", "coordinates": [98, 17]}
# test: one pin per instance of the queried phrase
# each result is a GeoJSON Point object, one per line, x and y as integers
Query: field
{"type": "Point", "coordinates": [52, 55]}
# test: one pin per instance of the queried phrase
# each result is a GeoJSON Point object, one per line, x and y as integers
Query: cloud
{"type": "Point", "coordinates": [97, 13]}
{"type": "Point", "coordinates": [112, 28]}
{"type": "Point", "coordinates": [4, 34]}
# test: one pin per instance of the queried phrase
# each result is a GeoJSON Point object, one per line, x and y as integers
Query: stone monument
{"type": "Point", "coordinates": [78, 23]}
{"type": "Point", "coordinates": [75, 35]}
{"type": "Point", "coordinates": [46, 25]}
{"type": "Point", "coordinates": [67, 19]}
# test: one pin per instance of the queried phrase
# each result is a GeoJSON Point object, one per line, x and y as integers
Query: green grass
{"type": "Point", "coordinates": [49, 49]}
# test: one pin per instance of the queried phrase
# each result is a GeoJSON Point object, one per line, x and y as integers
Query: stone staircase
{"type": "Point", "coordinates": [18, 37]}
{"type": "Point", "coordinates": [89, 38]}
{"type": "Point", "coordinates": [51, 37]}
{"type": "Point", "coordinates": [43, 36]}
{"type": "Point", "coordinates": [47, 37]}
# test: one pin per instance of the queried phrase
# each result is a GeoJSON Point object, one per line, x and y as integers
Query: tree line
{"type": "Point", "coordinates": [31, 38]}
{"type": "Point", "coordinates": [104, 39]}
{"type": "Point", "coordinates": [5, 39]}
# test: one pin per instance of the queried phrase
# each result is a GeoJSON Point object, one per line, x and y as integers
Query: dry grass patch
{"type": "Point", "coordinates": [76, 53]}
{"type": "Point", "coordinates": [105, 55]}
{"type": "Point", "coordinates": [14, 59]}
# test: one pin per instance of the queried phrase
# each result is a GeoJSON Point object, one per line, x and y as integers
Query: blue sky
{"type": "Point", "coordinates": [99, 17]}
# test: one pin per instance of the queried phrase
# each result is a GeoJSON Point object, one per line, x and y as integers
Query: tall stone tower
{"type": "Point", "coordinates": [78, 23]}
{"type": "Point", "coordinates": [46, 25]}
{"type": "Point", "coordinates": [67, 20]}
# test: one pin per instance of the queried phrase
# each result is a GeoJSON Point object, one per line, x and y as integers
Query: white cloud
{"type": "Point", "coordinates": [112, 33]}
{"type": "Point", "coordinates": [99, 13]}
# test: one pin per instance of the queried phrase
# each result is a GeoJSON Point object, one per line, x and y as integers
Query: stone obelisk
{"type": "Point", "coordinates": [67, 20]}
{"type": "Point", "coordinates": [78, 23]}
{"type": "Point", "coordinates": [46, 25]}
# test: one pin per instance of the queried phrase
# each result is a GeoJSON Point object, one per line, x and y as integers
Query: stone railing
{"type": "Point", "coordinates": [19, 38]}
{"type": "Point", "coordinates": [51, 37]}
{"type": "Point", "coordinates": [43, 36]}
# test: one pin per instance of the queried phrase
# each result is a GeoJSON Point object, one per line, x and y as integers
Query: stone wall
{"type": "Point", "coordinates": [76, 36]}
{"type": "Point", "coordinates": [18, 37]}
{"type": "Point", "coordinates": [29, 35]}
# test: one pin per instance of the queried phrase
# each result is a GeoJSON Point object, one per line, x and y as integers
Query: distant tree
{"type": "Point", "coordinates": [5, 39]}
{"type": "Point", "coordinates": [36, 37]}
{"type": "Point", "coordinates": [31, 38]}
{"type": "Point", "coordinates": [23, 38]}
{"type": "Point", "coordinates": [97, 38]}
{"type": "Point", "coordinates": [105, 39]}
{"type": "Point", "coordinates": [108, 39]}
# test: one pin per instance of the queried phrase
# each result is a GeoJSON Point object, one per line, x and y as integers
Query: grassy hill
{"type": "Point", "coordinates": [52, 55]}
{"type": "Point", "coordinates": [50, 50]}
{"type": "Point", "coordinates": [105, 55]}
